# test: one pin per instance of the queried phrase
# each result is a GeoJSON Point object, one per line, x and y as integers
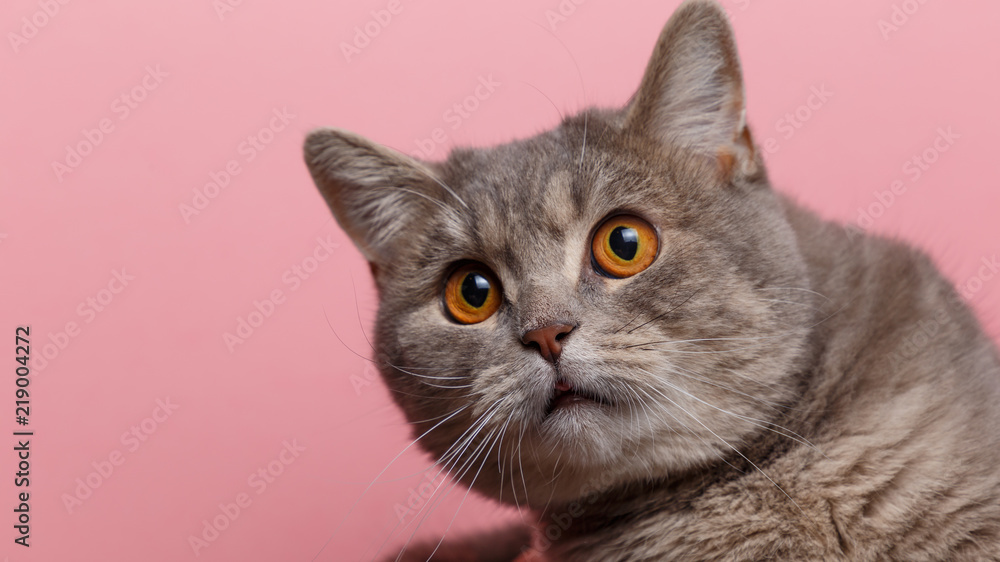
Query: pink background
{"type": "Point", "coordinates": [63, 236]}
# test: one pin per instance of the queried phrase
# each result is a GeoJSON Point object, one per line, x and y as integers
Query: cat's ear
{"type": "Point", "coordinates": [373, 191]}
{"type": "Point", "coordinates": [692, 92]}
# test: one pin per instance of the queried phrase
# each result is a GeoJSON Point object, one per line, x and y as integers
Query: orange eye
{"type": "Point", "coordinates": [624, 245]}
{"type": "Point", "coordinates": [472, 294]}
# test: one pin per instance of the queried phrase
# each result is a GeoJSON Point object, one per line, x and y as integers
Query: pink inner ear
{"type": "Point", "coordinates": [727, 161]}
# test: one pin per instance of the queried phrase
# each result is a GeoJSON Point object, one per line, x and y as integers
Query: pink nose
{"type": "Point", "coordinates": [548, 340]}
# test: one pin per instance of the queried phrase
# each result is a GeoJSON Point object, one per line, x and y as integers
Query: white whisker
{"type": "Point", "coordinates": [728, 444]}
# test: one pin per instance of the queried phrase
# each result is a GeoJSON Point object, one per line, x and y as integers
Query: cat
{"type": "Point", "coordinates": [620, 328]}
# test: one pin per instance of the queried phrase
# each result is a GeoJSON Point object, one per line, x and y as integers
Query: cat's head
{"type": "Point", "coordinates": [610, 300]}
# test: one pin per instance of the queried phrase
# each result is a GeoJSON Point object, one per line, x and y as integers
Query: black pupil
{"type": "Point", "coordinates": [475, 289]}
{"type": "Point", "coordinates": [624, 242]}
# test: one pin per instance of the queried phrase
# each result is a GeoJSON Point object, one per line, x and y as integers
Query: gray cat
{"type": "Point", "coordinates": [620, 328]}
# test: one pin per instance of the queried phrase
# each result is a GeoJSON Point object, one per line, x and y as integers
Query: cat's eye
{"type": "Point", "coordinates": [624, 245]}
{"type": "Point", "coordinates": [472, 293]}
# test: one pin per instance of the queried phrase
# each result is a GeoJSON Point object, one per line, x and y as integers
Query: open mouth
{"type": "Point", "coordinates": [567, 396]}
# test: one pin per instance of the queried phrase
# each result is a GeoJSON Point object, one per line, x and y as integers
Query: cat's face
{"type": "Point", "coordinates": [615, 299]}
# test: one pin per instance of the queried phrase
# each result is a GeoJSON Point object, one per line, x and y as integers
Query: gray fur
{"type": "Point", "coordinates": [765, 398]}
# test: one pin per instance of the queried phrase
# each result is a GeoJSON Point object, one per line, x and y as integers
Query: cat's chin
{"type": "Point", "coordinates": [570, 414]}
{"type": "Point", "coordinates": [572, 410]}
{"type": "Point", "coordinates": [582, 431]}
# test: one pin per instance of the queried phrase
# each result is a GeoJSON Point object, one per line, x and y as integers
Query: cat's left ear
{"type": "Point", "coordinates": [692, 92]}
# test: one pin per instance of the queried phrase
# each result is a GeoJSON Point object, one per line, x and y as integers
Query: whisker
{"type": "Point", "coordinates": [737, 451]}
{"type": "Point", "coordinates": [334, 330]}
{"type": "Point", "coordinates": [649, 423]}
{"type": "Point", "coordinates": [453, 459]}
{"type": "Point", "coordinates": [554, 106]}
{"type": "Point", "coordinates": [394, 459]}
{"type": "Point", "coordinates": [429, 397]}
{"type": "Point", "coordinates": [451, 191]}
{"type": "Point", "coordinates": [688, 429]}
{"type": "Point", "coordinates": [691, 296]}
{"type": "Point", "coordinates": [634, 318]}
{"type": "Point", "coordinates": [466, 437]}
{"type": "Point", "coordinates": [500, 462]}
{"type": "Point", "coordinates": [774, 405]}
{"type": "Point", "coordinates": [748, 338]}
{"type": "Point", "coordinates": [754, 421]}
{"type": "Point", "coordinates": [425, 196]}
{"type": "Point", "coordinates": [459, 508]}
{"type": "Point", "coordinates": [792, 289]}
{"type": "Point", "coordinates": [520, 463]}
{"type": "Point", "coordinates": [696, 340]}
{"type": "Point", "coordinates": [446, 387]}
{"type": "Point", "coordinates": [806, 305]}
{"type": "Point", "coordinates": [434, 499]}
{"type": "Point", "coordinates": [579, 73]}
{"type": "Point", "coordinates": [428, 508]}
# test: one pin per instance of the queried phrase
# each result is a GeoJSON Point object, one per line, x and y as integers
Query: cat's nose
{"type": "Point", "coordinates": [548, 340]}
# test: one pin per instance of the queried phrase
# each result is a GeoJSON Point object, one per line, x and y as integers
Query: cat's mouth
{"type": "Point", "coordinates": [567, 396]}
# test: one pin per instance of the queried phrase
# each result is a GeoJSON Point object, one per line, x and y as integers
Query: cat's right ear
{"type": "Point", "coordinates": [373, 191]}
{"type": "Point", "coordinates": [692, 91]}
